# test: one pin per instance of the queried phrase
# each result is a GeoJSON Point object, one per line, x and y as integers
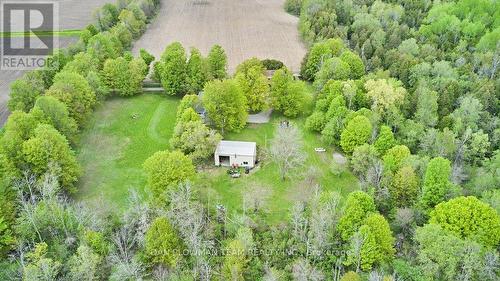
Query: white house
{"type": "Point", "coordinates": [236, 153]}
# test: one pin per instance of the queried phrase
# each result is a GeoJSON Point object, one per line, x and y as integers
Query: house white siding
{"type": "Point", "coordinates": [232, 153]}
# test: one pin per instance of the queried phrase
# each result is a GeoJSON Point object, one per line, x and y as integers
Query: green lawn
{"type": "Point", "coordinates": [216, 187]}
{"type": "Point", "coordinates": [115, 145]}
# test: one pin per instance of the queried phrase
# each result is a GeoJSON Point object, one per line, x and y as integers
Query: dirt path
{"type": "Point", "coordinates": [74, 14]}
{"type": "Point", "coordinates": [244, 28]}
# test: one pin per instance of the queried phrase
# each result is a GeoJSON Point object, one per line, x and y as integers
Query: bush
{"type": "Point", "coordinates": [272, 64]}
{"type": "Point", "coordinates": [293, 7]}
{"type": "Point", "coordinates": [166, 169]}
{"type": "Point", "coordinates": [146, 57]}
{"type": "Point", "coordinates": [124, 76]}
{"type": "Point", "coordinates": [25, 91]}
{"type": "Point", "coordinates": [74, 91]}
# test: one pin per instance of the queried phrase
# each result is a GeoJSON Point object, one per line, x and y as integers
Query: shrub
{"type": "Point", "coordinates": [272, 64]}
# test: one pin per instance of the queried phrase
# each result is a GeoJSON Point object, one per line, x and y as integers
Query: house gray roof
{"type": "Point", "coordinates": [236, 148]}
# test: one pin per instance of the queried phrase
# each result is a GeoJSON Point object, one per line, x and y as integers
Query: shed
{"type": "Point", "coordinates": [236, 153]}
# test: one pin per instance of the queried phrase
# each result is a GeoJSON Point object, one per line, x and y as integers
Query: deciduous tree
{"type": "Point", "coordinates": [290, 156]}
{"type": "Point", "coordinates": [85, 264]}
{"type": "Point", "coordinates": [217, 63]}
{"type": "Point", "coordinates": [40, 266]}
{"type": "Point", "coordinates": [288, 96]}
{"type": "Point", "coordinates": [167, 169]}
{"type": "Point", "coordinates": [333, 68]}
{"type": "Point", "coordinates": [226, 105]}
{"type": "Point", "coordinates": [194, 138]}
{"type": "Point", "coordinates": [356, 65]}
{"type": "Point", "coordinates": [385, 140]}
{"type": "Point", "coordinates": [357, 206]}
{"type": "Point", "coordinates": [51, 111]}
{"type": "Point", "coordinates": [437, 184]}
{"type": "Point", "coordinates": [162, 244]}
{"type": "Point", "coordinates": [49, 151]}
{"type": "Point", "coordinates": [235, 261]}
{"type": "Point", "coordinates": [383, 237]}
{"type": "Point", "coordinates": [468, 218]}
{"type": "Point", "coordinates": [173, 69]}
{"type": "Point", "coordinates": [395, 157]}
{"type": "Point", "coordinates": [125, 77]}
{"type": "Point", "coordinates": [356, 133]}
{"type": "Point", "coordinates": [25, 91]}
{"type": "Point", "coordinates": [103, 46]}
{"type": "Point", "coordinates": [404, 187]}
{"type": "Point", "coordinates": [197, 71]}
{"type": "Point", "coordinates": [74, 91]}
{"type": "Point", "coordinates": [385, 94]}
{"type": "Point", "coordinates": [255, 87]}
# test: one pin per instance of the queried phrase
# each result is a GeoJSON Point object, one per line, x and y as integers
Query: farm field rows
{"type": "Point", "coordinates": [74, 14]}
{"type": "Point", "coordinates": [243, 28]}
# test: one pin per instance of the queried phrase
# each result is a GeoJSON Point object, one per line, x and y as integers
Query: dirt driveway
{"type": "Point", "coordinates": [244, 28]}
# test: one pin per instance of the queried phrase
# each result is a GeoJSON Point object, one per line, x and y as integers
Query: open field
{"type": "Point", "coordinates": [244, 28]}
{"type": "Point", "coordinates": [115, 145]}
{"type": "Point", "coordinates": [74, 15]}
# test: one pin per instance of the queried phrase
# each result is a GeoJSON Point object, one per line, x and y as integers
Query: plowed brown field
{"type": "Point", "coordinates": [73, 14]}
{"type": "Point", "coordinates": [244, 28]}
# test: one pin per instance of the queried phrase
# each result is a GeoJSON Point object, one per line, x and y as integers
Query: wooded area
{"type": "Point", "coordinates": [406, 90]}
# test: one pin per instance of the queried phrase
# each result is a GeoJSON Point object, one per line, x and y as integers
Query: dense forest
{"type": "Point", "coordinates": [407, 90]}
{"type": "Point", "coordinates": [410, 90]}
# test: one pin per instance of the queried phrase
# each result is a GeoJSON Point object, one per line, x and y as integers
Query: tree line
{"type": "Point", "coordinates": [49, 108]}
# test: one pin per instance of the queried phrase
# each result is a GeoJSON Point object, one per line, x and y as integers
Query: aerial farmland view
{"type": "Point", "coordinates": [272, 140]}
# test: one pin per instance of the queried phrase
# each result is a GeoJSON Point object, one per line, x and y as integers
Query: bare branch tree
{"type": "Point", "coordinates": [191, 221]}
{"type": "Point", "coordinates": [286, 150]}
{"type": "Point", "coordinates": [376, 276]}
{"type": "Point", "coordinates": [299, 222]}
{"type": "Point", "coordinates": [357, 242]}
{"type": "Point", "coordinates": [303, 271]}
{"type": "Point", "coordinates": [323, 217]}
{"type": "Point", "coordinates": [255, 196]}
{"type": "Point", "coordinates": [491, 265]}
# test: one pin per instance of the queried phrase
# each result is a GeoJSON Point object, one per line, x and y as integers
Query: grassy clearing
{"type": "Point", "coordinates": [216, 187]}
{"type": "Point", "coordinates": [115, 145]}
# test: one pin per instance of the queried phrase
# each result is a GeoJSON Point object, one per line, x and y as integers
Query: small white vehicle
{"type": "Point", "coordinates": [320, 149]}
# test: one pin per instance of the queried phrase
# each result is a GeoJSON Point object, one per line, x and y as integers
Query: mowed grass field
{"type": "Point", "coordinates": [122, 134]}
{"type": "Point", "coordinates": [115, 145]}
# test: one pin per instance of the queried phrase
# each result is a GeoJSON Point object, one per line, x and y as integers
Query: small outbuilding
{"type": "Point", "coordinates": [236, 153]}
